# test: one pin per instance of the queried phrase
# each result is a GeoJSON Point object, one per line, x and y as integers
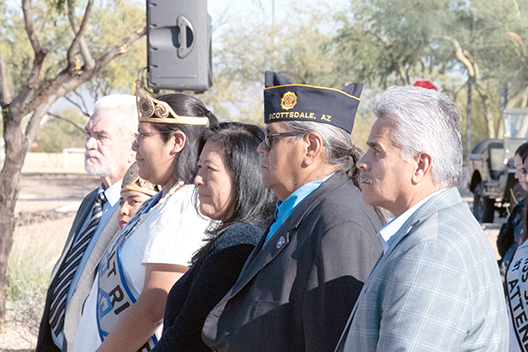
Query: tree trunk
{"type": "Point", "coordinates": [15, 152]}
{"type": "Point", "coordinates": [502, 106]}
{"type": "Point", "coordinates": [488, 114]}
{"type": "Point", "coordinates": [35, 101]}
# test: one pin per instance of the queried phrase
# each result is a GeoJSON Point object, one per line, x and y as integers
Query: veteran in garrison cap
{"type": "Point", "coordinates": [299, 285]}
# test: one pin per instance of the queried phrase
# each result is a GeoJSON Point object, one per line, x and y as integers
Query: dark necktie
{"type": "Point", "coordinates": [69, 267]}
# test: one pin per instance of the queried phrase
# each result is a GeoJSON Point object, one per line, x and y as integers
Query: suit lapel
{"type": "Point", "coordinates": [87, 276]}
{"type": "Point", "coordinates": [443, 199]}
{"type": "Point", "coordinates": [80, 217]}
{"type": "Point", "coordinates": [263, 254]}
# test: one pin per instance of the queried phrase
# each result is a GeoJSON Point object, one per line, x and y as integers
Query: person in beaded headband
{"type": "Point", "coordinates": [154, 248]}
{"type": "Point", "coordinates": [134, 192]}
{"type": "Point", "coordinates": [177, 117]}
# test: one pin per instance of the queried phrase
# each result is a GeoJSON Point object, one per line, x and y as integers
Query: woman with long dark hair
{"type": "Point", "coordinates": [125, 308]}
{"type": "Point", "coordinates": [512, 231]}
{"type": "Point", "coordinates": [230, 191]}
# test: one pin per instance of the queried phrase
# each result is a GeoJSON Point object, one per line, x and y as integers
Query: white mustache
{"type": "Point", "coordinates": [93, 154]}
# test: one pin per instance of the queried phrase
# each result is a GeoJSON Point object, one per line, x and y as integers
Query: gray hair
{"type": "Point", "coordinates": [425, 121]}
{"type": "Point", "coordinates": [338, 146]}
{"type": "Point", "coordinates": [123, 109]}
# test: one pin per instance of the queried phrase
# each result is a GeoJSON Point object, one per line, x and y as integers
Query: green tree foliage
{"type": "Point", "coordinates": [453, 43]}
{"type": "Point", "coordinates": [110, 24]}
{"type": "Point", "coordinates": [300, 46]}
{"type": "Point", "coordinates": [392, 41]}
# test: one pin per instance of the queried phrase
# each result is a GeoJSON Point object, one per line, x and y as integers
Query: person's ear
{"type": "Point", "coordinates": [178, 139]}
{"type": "Point", "coordinates": [423, 168]}
{"type": "Point", "coordinates": [314, 147]}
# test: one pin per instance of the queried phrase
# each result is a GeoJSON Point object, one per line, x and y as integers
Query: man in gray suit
{"type": "Point", "coordinates": [437, 285]}
{"type": "Point", "coordinates": [297, 288]}
{"type": "Point", "coordinates": [109, 136]}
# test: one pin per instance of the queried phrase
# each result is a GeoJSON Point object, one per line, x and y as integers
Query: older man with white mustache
{"type": "Point", "coordinates": [109, 137]}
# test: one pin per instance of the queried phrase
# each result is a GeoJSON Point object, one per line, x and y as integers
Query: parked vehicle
{"type": "Point", "coordinates": [491, 169]}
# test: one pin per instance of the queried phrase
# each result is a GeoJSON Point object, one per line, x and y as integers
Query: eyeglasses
{"type": "Point", "coordinates": [268, 138]}
{"type": "Point", "coordinates": [142, 135]}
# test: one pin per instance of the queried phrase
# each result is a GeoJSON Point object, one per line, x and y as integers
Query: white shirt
{"type": "Point", "coordinates": [388, 231]}
{"type": "Point", "coordinates": [170, 234]}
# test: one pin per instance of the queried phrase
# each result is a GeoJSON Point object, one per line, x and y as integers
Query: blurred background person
{"type": "Point", "coordinates": [134, 192]}
{"type": "Point", "coordinates": [124, 311]}
{"type": "Point", "coordinates": [108, 155]}
{"type": "Point", "coordinates": [230, 191]}
{"type": "Point", "coordinates": [516, 283]}
{"type": "Point", "coordinates": [512, 231]}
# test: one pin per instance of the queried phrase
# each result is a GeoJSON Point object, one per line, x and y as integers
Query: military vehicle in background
{"type": "Point", "coordinates": [491, 170]}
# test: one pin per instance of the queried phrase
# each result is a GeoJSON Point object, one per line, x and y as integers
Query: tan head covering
{"type": "Point", "coordinates": [132, 182]}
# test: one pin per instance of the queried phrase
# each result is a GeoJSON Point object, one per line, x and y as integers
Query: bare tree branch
{"type": "Point", "coordinates": [65, 82]}
{"type": "Point", "coordinates": [459, 90]}
{"type": "Point", "coordinates": [78, 34]}
{"type": "Point", "coordinates": [40, 52]}
{"type": "Point", "coordinates": [460, 56]}
{"type": "Point", "coordinates": [6, 88]}
{"type": "Point", "coordinates": [85, 51]}
{"type": "Point", "coordinates": [83, 109]}
{"type": "Point", "coordinates": [77, 105]}
{"type": "Point", "coordinates": [119, 49]}
{"type": "Point", "coordinates": [58, 117]}
{"type": "Point", "coordinates": [487, 111]}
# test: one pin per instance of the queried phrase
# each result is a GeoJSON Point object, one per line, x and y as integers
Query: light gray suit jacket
{"type": "Point", "coordinates": [437, 288]}
{"type": "Point", "coordinates": [82, 289]}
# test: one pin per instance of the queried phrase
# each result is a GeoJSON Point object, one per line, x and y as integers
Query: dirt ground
{"type": "Point", "coordinates": [45, 211]}
{"type": "Point", "coordinates": [46, 208]}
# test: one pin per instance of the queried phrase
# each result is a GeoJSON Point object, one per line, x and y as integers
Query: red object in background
{"type": "Point", "coordinates": [424, 84]}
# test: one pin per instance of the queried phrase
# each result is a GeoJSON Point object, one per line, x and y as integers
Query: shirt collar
{"type": "Point", "coordinates": [284, 209]}
{"type": "Point", "coordinates": [388, 231]}
{"type": "Point", "coordinates": [112, 193]}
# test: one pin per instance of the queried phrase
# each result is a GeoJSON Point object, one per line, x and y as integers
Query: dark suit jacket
{"type": "Point", "coordinates": [73, 311]}
{"type": "Point", "coordinates": [295, 293]}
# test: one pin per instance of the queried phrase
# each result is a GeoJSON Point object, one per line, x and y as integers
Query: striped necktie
{"type": "Point", "coordinates": [69, 267]}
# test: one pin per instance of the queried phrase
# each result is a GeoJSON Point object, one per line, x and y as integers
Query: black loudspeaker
{"type": "Point", "coordinates": [179, 45]}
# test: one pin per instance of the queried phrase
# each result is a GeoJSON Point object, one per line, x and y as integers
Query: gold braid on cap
{"type": "Point", "coordinates": [157, 111]}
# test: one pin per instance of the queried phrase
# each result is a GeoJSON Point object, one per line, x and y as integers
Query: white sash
{"type": "Point", "coordinates": [517, 285]}
{"type": "Point", "coordinates": [114, 296]}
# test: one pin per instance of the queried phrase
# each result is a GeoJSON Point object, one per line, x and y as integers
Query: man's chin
{"type": "Point", "coordinates": [367, 198]}
{"type": "Point", "coordinates": [266, 182]}
{"type": "Point", "coordinates": [96, 169]}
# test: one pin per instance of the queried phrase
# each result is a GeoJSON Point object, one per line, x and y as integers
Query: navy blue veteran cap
{"type": "Point", "coordinates": [285, 101]}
